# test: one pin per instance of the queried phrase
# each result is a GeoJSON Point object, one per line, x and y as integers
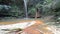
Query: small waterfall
{"type": "Point", "coordinates": [25, 8]}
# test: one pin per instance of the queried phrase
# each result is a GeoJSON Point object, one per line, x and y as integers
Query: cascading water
{"type": "Point", "coordinates": [25, 7]}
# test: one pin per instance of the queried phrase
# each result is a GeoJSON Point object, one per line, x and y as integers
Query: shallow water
{"type": "Point", "coordinates": [52, 28]}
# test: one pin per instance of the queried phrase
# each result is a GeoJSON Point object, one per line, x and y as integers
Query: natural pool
{"type": "Point", "coordinates": [26, 23]}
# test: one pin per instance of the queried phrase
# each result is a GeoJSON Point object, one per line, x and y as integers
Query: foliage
{"type": "Point", "coordinates": [15, 8]}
